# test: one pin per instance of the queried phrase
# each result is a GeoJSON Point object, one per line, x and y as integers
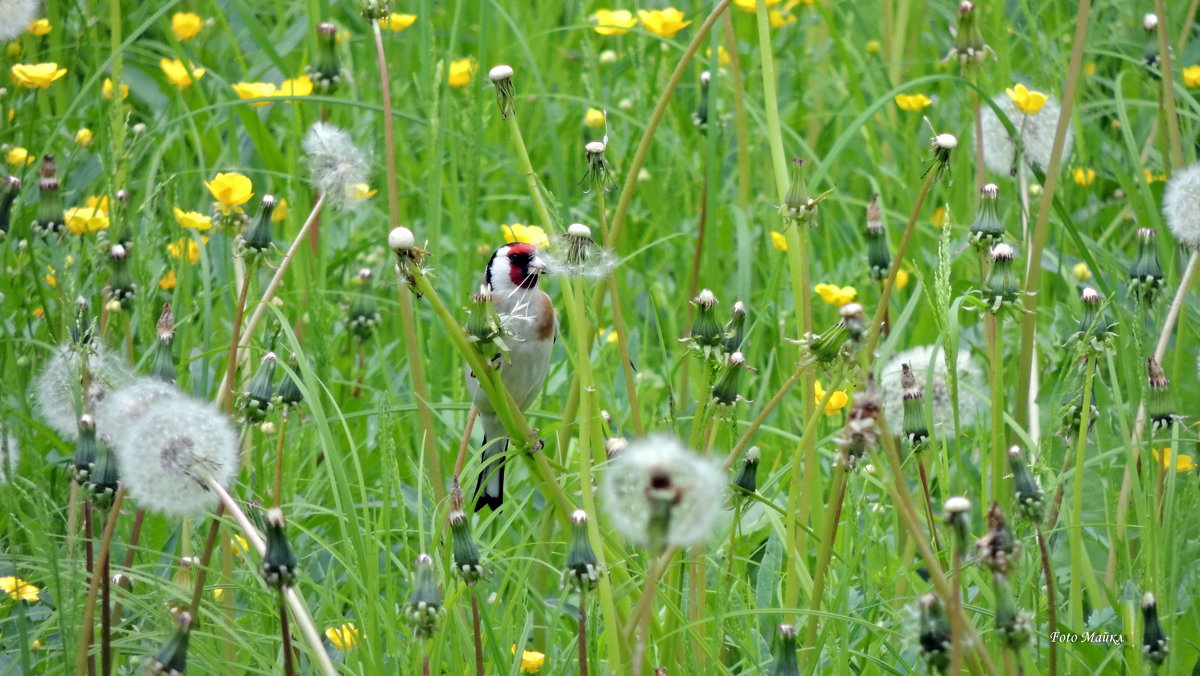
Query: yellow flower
{"type": "Point", "coordinates": [1191, 76]}
{"type": "Point", "coordinates": [254, 90]}
{"type": "Point", "coordinates": [344, 637]}
{"type": "Point", "coordinates": [178, 74]}
{"type": "Point", "coordinates": [41, 27]}
{"type": "Point", "coordinates": [613, 21]}
{"type": "Point", "coordinates": [461, 71]}
{"type": "Point", "coordinates": [239, 544]}
{"type": "Point", "coordinates": [834, 294]}
{"type": "Point", "coordinates": [186, 25]}
{"type": "Point", "coordinates": [874, 46]}
{"type": "Point", "coordinates": [779, 241]}
{"type": "Point", "coordinates": [748, 5]}
{"type": "Point", "coordinates": [912, 102]}
{"type": "Point", "coordinates": [97, 202]}
{"type": "Point", "coordinates": [50, 277]}
{"type": "Point", "coordinates": [531, 661]}
{"type": "Point", "coordinates": [218, 594]}
{"type": "Point", "coordinates": [1083, 177]}
{"type": "Point", "coordinates": [39, 312]}
{"type": "Point", "coordinates": [940, 218]}
{"type": "Point", "coordinates": [530, 234]}
{"type": "Point", "coordinates": [901, 278]}
{"type": "Point", "coordinates": [280, 212]}
{"type": "Point", "coordinates": [231, 191]}
{"type": "Point", "coordinates": [83, 137]}
{"type": "Point", "coordinates": [18, 589]}
{"type": "Point", "coordinates": [1026, 100]}
{"type": "Point", "coordinates": [36, 75]}
{"type": "Point", "coordinates": [662, 22]}
{"type": "Point", "coordinates": [837, 400]}
{"type": "Point", "coordinates": [188, 245]}
{"type": "Point", "coordinates": [1089, 68]}
{"type": "Point", "coordinates": [192, 219]}
{"type": "Point", "coordinates": [1081, 271]}
{"type": "Point", "coordinates": [722, 55]}
{"type": "Point", "coordinates": [168, 281]}
{"type": "Point", "coordinates": [397, 22]}
{"type": "Point", "coordinates": [780, 19]}
{"type": "Point", "coordinates": [85, 220]}
{"type": "Point", "coordinates": [593, 118]}
{"type": "Point", "coordinates": [1151, 177]}
{"type": "Point", "coordinates": [107, 90]}
{"type": "Point", "coordinates": [300, 86]}
{"type": "Point", "coordinates": [359, 191]}
{"type": "Point", "coordinates": [19, 157]}
{"type": "Point", "coordinates": [1182, 462]}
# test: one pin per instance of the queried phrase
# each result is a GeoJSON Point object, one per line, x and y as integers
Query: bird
{"type": "Point", "coordinates": [530, 328]}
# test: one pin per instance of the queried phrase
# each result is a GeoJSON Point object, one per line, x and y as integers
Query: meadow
{"type": "Point", "coordinates": [873, 347]}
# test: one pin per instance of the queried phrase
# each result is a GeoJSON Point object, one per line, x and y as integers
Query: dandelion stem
{"type": "Point", "coordinates": [1167, 81]}
{"type": "Point", "coordinates": [475, 628]}
{"type": "Point", "coordinates": [89, 608]}
{"type": "Point", "coordinates": [837, 497]}
{"type": "Point", "coordinates": [998, 455]}
{"type": "Point", "coordinates": [277, 492]}
{"type": "Point", "coordinates": [635, 409]}
{"type": "Point", "coordinates": [285, 633]}
{"type": "Point", "coordinates": [231, 369]}
{"type": "Point", "coordinates": [928, 501]}
{"type": "Point", "coordinates": [978, 119]}
{"type": "Point", "coordinates": [531, 180]}
{"type": "Point", "coordinates": [130, 552]}
{"type": "Point", "coordinates": [641, 612]}
{"type": "Point", "coordinates": [89, 542]}
{"type": "Point", "coordinates": [1079, 557]}
{"type": "Point", "coordinates": [1051, 603]}
{"type": "Point", "coordinates": [202, 563]}
{"type": "Point", "coordinates": [583, 659]}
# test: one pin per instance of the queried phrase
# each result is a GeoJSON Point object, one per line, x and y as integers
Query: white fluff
{"type": "Point", "coordinates": [921, 359]}
{"type": "Point", "coordinates": [15, 17]}
{"type": "Point", "coordinates": [698, 483]}
{"type": "Point", "coordinates": [334, 161]}
{"type": "Point", "coordinates": [1037, 135]}
{"type": "Point", "coordinates": [1181, 206]}
{"type": "Point", "coordinates": [119, 412]}
{"type": "Point", "coordinates": [58, 386]}
{"type": "Point", "coordinates": [10, 454]}
{"type": "Point", "coordinates": [167, 453]}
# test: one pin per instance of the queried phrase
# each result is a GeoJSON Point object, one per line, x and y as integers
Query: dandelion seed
{"type": "Point", "coordinates": [117, 413]}
{"type": "Point", "coordinates": [15, 17]}
{"type": "Point", "coordinates": [59, 386]}
{"type": "Point", "coordinates": [578, 255]}
{"type": "Point", "coordinates": [1036, 133]}
{"type": "Point", "coordinates": [923, 359]}
{"type": "Point", "coordinates": [334, 162]}
{"type": "Point", "coordinates": [1181, 206]}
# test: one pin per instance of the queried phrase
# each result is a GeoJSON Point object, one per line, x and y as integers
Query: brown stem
{"type": "Point", "coordinates": [475, 626]}
{"type": "Point", "coordinates": [202, 564]}
{"type": "Point", "coordinates": [105, 620]}
{"type": "Point", "coordinates": [466, 442]}
{"type": "Point", "coordinates": [130, 553]}
{"type": "Point", "coordinates": [89, 608]}
{"type": "Point", "coordinates": [1051, 606]}
{"type": "Point", "coordinates": [231, 369]}
{"type": "Point", "coordinates": [837, 497]}
{"type": "Point", "coordinates": [90, 564]}
{"type": "Point", "coordinates": [285, 633]}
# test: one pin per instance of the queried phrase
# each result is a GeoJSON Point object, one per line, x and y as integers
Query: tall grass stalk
{"type": "Point", "coordinates": [1080, 564]}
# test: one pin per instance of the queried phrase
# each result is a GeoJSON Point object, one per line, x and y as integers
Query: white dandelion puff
{"type": "Point", "coordinates": [658, 493]}
{"type": "Point", "coordinates": [119, 412]}
{"type": "Point", "coordinates": [10, 454]}
{"type": "Point", "coordinates": [167, 454]}
{"type": "Point", "coordinates": [1036, 132]}
{"type": "Point", "coordinates": [334, 162]}
{"type": "Point", "coordinates": [921, 359]}
{"type": "Point", "coordinates": [1181, 206]}
{"type": "Point", "coordinates": [15, 17]}
{"type": "Point", "coordinates": [60, 385]}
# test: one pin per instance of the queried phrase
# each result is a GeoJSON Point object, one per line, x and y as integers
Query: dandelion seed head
{"type": "Point", "coordinates": [401, 239]}
{"type": "Point", "coordinates": [957, 505]}
{"type": "Point", "coordinates": [335, 163]}
{"type": "Point", "coordinates": [946, 141]}
{"type": "Point", "coordinates": [1036, 131]}
{"type": "Point", "coordinates": [58, 385]}
{"type": "Point", "coordinates": [15, 17]}
{"type": "Point", "coordinates": [921, 360]}
{"type": "Point", "coordinates": [658, 474]}
{"type": "Point", "coordinates": [1150, 21]}
{"type": "Point", "coordinates": [119, 412]}
{"type": "Point", "coordinates": [501, 72]}
{"type": "Point", "coordinates": [167, 453]}
{"type": "Point", "coordinates": [1181, 206]}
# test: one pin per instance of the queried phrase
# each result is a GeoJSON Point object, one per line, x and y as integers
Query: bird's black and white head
{"type": "Point", "coordinates": [514, 266]}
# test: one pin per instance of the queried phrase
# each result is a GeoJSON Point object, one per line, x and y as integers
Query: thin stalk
{"type": "Point", "coordinates": [277, 492]}
{"type": "Point", "coordinates": [741, 120]}
{"type": "Point", "coordinates": [978, 119]}
{"type": "Point", "coordinates": [1167, 81]}
{"type": "Point", "coordinates": [997, 453]}
{"type": "Point", "coordinates": [1033, 278]}
{"type": "Point", "coordinates": [1079, 557]}
{"type": "Point", "coordinates": [531, 179]}
{"type": "Point", "coordinates": [701, 413]}
{"type": "Point", "coordinates": [231, 370]}
{"type": "Point", "coordinates": [635, 411]}
{"type": "Point", "coordinates": [89, 608]}
{"type": "Point", "coordinates": [105, 619]}
{"type": "Point", "coordinates": [837, 497]}
{"type": "Point", "coordinates": [758, 421]}
{"type": "Point", "coordinates": [130, 552]}
{"type": "Point", "coordinates": [289, 668]}
{"type": "Point", "coordinates": [90, 566]}
{"type": "Point", "coordinates": [583, 658]}
{"type": "Point", "coordinates": [1189, 17]}
{"type": "Point", "coordinates": [210, 544]}
{"type": "Point", "coordinates": [475, 628]}
{"type": "Point", "coordinates": [466, 441]}
{"type": "Point", "coordinates": [1051, 604]}
{"type": "Point", "coordinates": [642, 611]}
{"type": "Point", "coordinates": [956, 636]}
{"type": "Point", "coordinates": [928, 502]}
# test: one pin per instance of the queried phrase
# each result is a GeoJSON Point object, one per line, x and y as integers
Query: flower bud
{"type": "Point", "coordinates": [958, 518]}
{"type": "Point", "coordinates": [1145, 274]}
{"type": "Point", "coordinates": [940, 147]}
{"type": "Point", "coordinates": [104, 479]}
{"type": "Point", "coordinates": [997, 546]}
{"type": "Point", "coordinates": [424, 607]}
{"type": "Point", "coordinates": [1154, 642]}
{"type": "Point", "coordinates": [1000, 287]}
{"type": "Point", "coordinates": [501, 77]}
{"type": "Point", "coordinates": [700, 114]}
{"type": "Point", "coordinates": [934, 633]}
{"type": "Point", "coordinates": [862, 425]}
{"type": "Point", "coordinates": [50, 204]}
{"type": "Point", "coordinates": [798, 205]}
{"type": "Point", "coordinates": [1159, 403]}
{"type": "Point", "coordinates": [725, 391]}
{"type": "Point", "coordinates": [735, 328]}
{"type": "Point", "coordinates": [10, 186]}
{"type": "Point", "coordinates": [468, 562]}
{"type": "Point", "coordinates": [1025, 487]}
{"type": "Point", "coordinates": [987, 230]}
{"type": "Point", "coordinates": [289, 392]}
{"type": "Point", "coordinates": [171, 660]}
{"type": "Point", "coordinates": [969, 48]}
{"type": "Point", "coordinates": [121, 289]}
{"type": "Point", "coordinates": [279, 562]}
{"type": "Point", "coordinates": [84, 460]}
{"type": "Point", "coordinates": [257, 239]}
{"type": "Point", "coordinates": [706, 335]}
{"type": "Point", "coordinates": [1013, 626]}
{"type": "Point", "coordinates": [364, 313]}
{"type": "Point", "coordinates": [915, 429]}
{"type": "Point", "coordinates": [164, 361]}
{"type": "Point", "coordinates": [583, 568]}
{"type": "Point", "coordinates": [879, 256]}
{"type": "Point", "coordinates": [598, 176]}
{"type": "Point", "coordinates": [257, 401]}
{"type": "Point", "coordinates": [325, 71]}
{"type": "Point", "coordinates": [374, 10]}
{"type": "Point", "coordinates": [783, 657]}
{"type": "Point", "coordinates": [747, 476]}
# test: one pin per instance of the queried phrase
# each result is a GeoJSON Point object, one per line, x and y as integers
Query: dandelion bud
{"type": "Point", "coordinates": [1145, 274]}
{"type": "Point", "coordinates": [468, 562]}
{"type": "Point", "coordinates": [827, 347]}
{"type": "Point", "coordinates": [84, 460]}
{"type": "Point", "coordinates": [700, 115]}
{"type": "Point", "coordinates": [1000, 287]}
{"type": "Point", "coordinates": [425, 604]}
{"type": "Point", "coordinates": [1159, 404]}
{"type": "Point", "coordinates": [614, 447]}
{"type": "Point", "coordinates": [401, 240]}
{"type": "Point", "coordinates": [257, 239]}
{"type": "Point", "coordinates": [854, 320]}
{"type": "Point", "coordinates": [171, 660]}
{"type": "Point", "coordinates": [279, 562]}
{"type": "Point", "coordinates": [997, 546]}
{"type": "Point", "coordinates": [103, 481]}
{"type": "Point", "coordinates": [257, 401]}
{"type": "Point", "coordinates": [583, 568]}
{"type": "Point", "coordinates": [1014, 627]}
{"type": "Point", "coordinates": [501, 77]}
{"type": "Point", "coordinates": [725, 391]}
{"type": "Point", "coordinates": [121, 289]}
{"type": "Point", "coordinates": [164, 362]}
{"type": "Point", "coordinates": [1095, 330]}
{"type": "Point", "coordinates": [862, 425]}
{"type": "Point", "coordinates": [325, 71]}
{"type": "Point", "coordinates": [747, 476]}
{"type": "Point", "coordinates": [987, 229]}
{"type": "Point", "coordinates": [783, 658]}
{"type": "Point", "coordinates": [1025, 487]}
{"type": "Point", "coordinates": [934, 633]}
{"type": "Point", "coordinates": [1150, 22]}
{"type": "Point", "coordinates": [735, 328]}
{"type": "Point", "coordinates": [969, 48]}
{"type": "Point", "coordinates": [289, 392]}
{"type": "Point", "coordinates": [364, 313]}
{"type": "Point", "coordinates": [879, 256]}
{"type": "Point", "coordinates": [50, 205]}
{"type": "Point", "coordinates": [940, 147]}
{"type": "Point", "coordinates": [798, 205]}
{"type": "Point", "coordinates": [1154, 642]}
{"type": "Point", "coordinates": [915, 429]}
{"type": "Point", "coordinates": [483, 324]}
{"type": "Point", "coordinates": [374, 10]}
{"type": "Point", "coordinates": [9, 187]}
{"type": "Point", "coordinates": [706, 336]}
{"type": "Point", "coordinates": [598, 175]}
{"type": "Point", "coordinates": [958, 517]}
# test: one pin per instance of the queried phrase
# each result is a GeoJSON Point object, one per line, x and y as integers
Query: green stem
{"type": "Point", "coordinates": [1167, 81]}
{"type": "Point", "coordinates": [761, 418]}
{"type": "Point", "coordinates": [89, 608]}
{"type": "Point", "coordinates": [531, 180]}
{"type": "Point", "coordinates": [837, 497]}
{"type": "Point", "coordinates": [998, 455]}
{"type": "Point", "coordinates": [1079, 557]}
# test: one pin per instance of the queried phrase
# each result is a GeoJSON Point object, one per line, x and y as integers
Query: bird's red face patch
{"type": "Point", "coordinates": [520, 256]}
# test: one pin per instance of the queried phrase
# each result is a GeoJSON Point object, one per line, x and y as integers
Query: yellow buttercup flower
{"type": "Point", "coordinates": [231, 191]}
{"type": "Point", "coordinates": [901, 278]}
{"type": "Point", "coordinates": [1081, 272]}
{"type": "Point", "coordinates": [1152, 177]}
{"type": "Point", "coordinates": [281, 211]}
{"type": "Point", "coordinates": [397, 22]}
{"type": "Point", "coordinates": [186, 247]}
{"type": "Point", "coordinates": [168, 281]}
{"type": "Point", "coordinates": [344, 637]}
{"type": "Point", "coordinates": [36, 75]}
{"type": "Point", "coordinates": [218, 594]}
{"type": "Point", "coordinates": [779, 241]}
{"type": "Point", "coordinates": [193, 220]}
{"type": "Point", "coordinates": [722, 55]}
{"type": "Point", "coordinates": [18, 589]}
{"type": "Point", "coordinates": [530, 234]}
{"type": "Point", "coordinates": [613, 21]}
{"type": "Point", "coordinates": [780, 19]}
{"type": "Point", "coordinates": [83, 137]}
{"type": "Point", "coordinates": [748, 5]}
{"type": "Point", "coordinates": [1083, 177]}
{"type": "Point", "coordinates": [1026, 100]}
{"type": "Point", "coordinates": [359, 191]}
{"type": "Point", "coordinates": [1180, 462]}
{"type": "Point", "coordinates": [461, 71]}
{"type": "Point", "coordinates": [106, 90]}
{"type": "Point", "coordinates": [940, 218]}
{"type": "Point", "coordinates": [178, 74]}
{"type": "Point", "coordinates": [1089, 68]}
{"type": "Point", "coordinates": [299, 86]}
{"type": "Point", "coordinates": [1191, 76]}
{"type": "Point", "coordinates": [837, 400]}
{"type": "Point", "coordinates": [97, 202]}
{"type": "Point", "coordinates": [593, 118]}
{"type": "Point", "coordinates": [41, 27]}
{"type": "Point", "coordinates": [186, 25]}
{"type": "Point", "coordinates": [531, 660]}
{"type": "Point", "coordinates": [913, 102]}
{"type": "Point", "coordinates": [19, 157]}
{"type": "Point", "coordinates": [662, 22]}
{"type": "Point", "coordinates": [50, 277]}
{"type": "Point", "coordinates": [836, 295]}
{"type": "Point", "coordinates": [85, 220]}
{"type": "Point", "coordinates": [239, 544]}
{"type": "Point", "coordinates": [254, 90]}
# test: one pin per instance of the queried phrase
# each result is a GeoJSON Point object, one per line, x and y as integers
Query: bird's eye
{"type": "Point", "coordinates": [519, 257]}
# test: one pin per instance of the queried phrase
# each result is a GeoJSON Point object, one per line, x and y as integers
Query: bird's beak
{"type": "Point", "coordinates": [537, 266]}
